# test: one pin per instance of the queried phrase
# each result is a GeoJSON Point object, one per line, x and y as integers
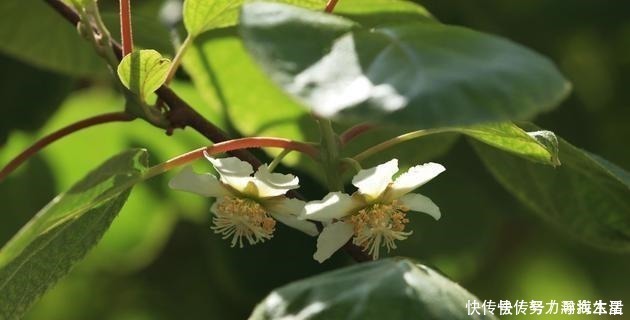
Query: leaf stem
{"type": "Point", "coordinates": [276, 161]}
{"type": "Point", "coordinates": [399, 139]}
{"type": "Point", "coordinates": [330, 6]}
{"type": "Point", "coordinates": [45, 141]}
{"type": "Point", "coordinates": [125, 27]}
{"type": "Point", "coordinates": [177, 60]}
{"type": "Point", "coordinates": [231, 145]}
{"type": "Point", "coordinates": [354, 132]}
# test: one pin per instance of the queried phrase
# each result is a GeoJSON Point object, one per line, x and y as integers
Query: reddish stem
{"type": "Point", "coordinates": [125, 27]}
{"type": "Point", "coordinates": [239, 144]}
{"type": "Point", "coordinates": [354, 132]}
{"type": "Point", "coordinates": [45, 141]}
{"type": "Point", "coordinates": [330, 6]}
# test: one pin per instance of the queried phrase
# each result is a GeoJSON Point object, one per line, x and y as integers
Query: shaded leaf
{"type": "Point", "coordinates": [385, 289]}
{"type": "Point", "coordinates": [64, 231]}
{"type": "Point", "coordinates": [418, 75]}
{"type": "Point", "coordinates": [21, 109]}
{"type": "Point", "coordinates": [34, 33]}
{"type": "Point", "coordinates": [587, 196]}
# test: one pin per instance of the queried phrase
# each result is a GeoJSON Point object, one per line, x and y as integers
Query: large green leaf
{"type": "Point", "coordinates": [64, 231]}
{"type": "Point", "coordinates": [587, 196]}
{"type": "Point", "coordinates": [204, 15]}
{"type": "Point", "coordinates": [256, 107]}
{"type": "Point", "coordinates": [31, 31]}
{"type": "Point", "coordinates": [386, 289]}
{"type": "Point", "coordinates": [417, 75]}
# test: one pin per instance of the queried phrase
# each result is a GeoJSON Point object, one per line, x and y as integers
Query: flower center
{"type": "Point", "coordinates": [240, 218]}
{"type": "Point", "coordinates": [379, 225]}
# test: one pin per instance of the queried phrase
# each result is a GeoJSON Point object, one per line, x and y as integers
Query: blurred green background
{"type": "Point", "coordinates": [160, 260]}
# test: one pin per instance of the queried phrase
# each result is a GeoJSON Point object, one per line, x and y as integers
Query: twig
{"type": "Point", "coordinates": [182, 115]}
{"type": "Point", "coordinates": [45, 141]}
{"type": "Point", "coordinates": [235, 144]}
{"type": "Point", "coordinates": [330, 6]}
{"type": "Point", "coordinates": [125, 27]}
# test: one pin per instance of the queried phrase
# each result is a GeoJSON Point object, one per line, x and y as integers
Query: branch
{"type": "Point", "coordinates": [183, 115]}
{"type": "Point", "coordinates": [45, 141]}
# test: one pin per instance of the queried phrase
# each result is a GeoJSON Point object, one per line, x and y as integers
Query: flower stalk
{"type": "Point", "coordinates": [232, 145]}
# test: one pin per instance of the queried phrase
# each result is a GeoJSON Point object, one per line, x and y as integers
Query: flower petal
{"type": "Point", "coordinates": [332, 238]}
{"type": "Point", "coordinates": [372, 182]}
{"type": "Point", "coordinates": [284, 205]}
{"type": "Point", "coordinates": [420, 203]}
{"type": "Point", "coordinates": [233, 171]}
{"type": "Point", "coordinates": [204, 184]}
{"type": "Point", "coordinates": [414, 178]}
{"type": "Point", "coordinates": [287, 210]}
{"type": "Point", "coordinates": [274, 184]}
{"type": "Point", "coordinates": [335, 205]}
{"type": "Point", "coordinates": [295, 223]}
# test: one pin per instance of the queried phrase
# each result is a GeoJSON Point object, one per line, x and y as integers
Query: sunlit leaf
{"type": "Point", "coordinates": [204, 15]}
{"type": "Point", "coordinates": [540, 146]}
{"type": "Point", "coordinates": [143, 71]}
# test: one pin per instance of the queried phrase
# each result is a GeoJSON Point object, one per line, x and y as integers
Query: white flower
{"type": "Point", "coordinates": [246, 207]}
{"type": "Point", "coordinates": [376, 214]}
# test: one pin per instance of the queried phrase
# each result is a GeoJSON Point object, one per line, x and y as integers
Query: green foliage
{"type": "Point", "coordinates": [382, 12]}
{"type": "Point", "coordinates": [57, 46]}
{"type": "Point", "coordinates": [386, 289]}
{"type": "Point", "coordinates": [586, 196]}
{"type": "Point", "coordinates": [539, 146]}
{"type": "Point", "coordinates": [201, 15]}
{"type": "Point", "coordinates": [143, 71]}
{"type": "Point", "coordinates": [387, 62]}
{"type": "Point", "coordinates": [63, 232]}
{"type": "Point", "coordinates": [22, 109]}
{"type": "Point", "coordinates": [418, 75]}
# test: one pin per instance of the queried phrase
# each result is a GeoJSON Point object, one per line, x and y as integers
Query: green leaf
{"type": "Point", "coordinates": [539, 146]}
{"type": "Point", "coordinates": [143, 72]}
{"type": "Point", "coordinates": [64, 231]}
{"type": "Point", "coordinates": [417, 75]}
{"type": "Point", "coordinates": [386, 289]}
{"type": "Point", "coordinates": [587, 196]}
{"type": "Point", "coordinates": [33, 32]}
{"type": "Point", "coordinates": [218, 57]}
{"type": "Point", "coordinates": [381, 12]}
{"type": "Point", "coordinates": [204, 15]}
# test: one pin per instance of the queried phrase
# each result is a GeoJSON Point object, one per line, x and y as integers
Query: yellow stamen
{"type": "Point", "coordinates": [380, 225]}
{"type": "Point", "coordinates": [239, 217]}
